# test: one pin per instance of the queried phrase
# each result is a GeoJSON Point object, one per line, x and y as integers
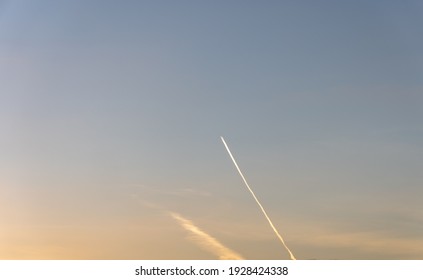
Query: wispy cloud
{"type": "Point", "coordinates": [330, 240]}
{"type": "Point", "coordinates": [206, 241]}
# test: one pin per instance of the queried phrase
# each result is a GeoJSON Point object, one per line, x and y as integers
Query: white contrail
{"type": "Point", "coordinates": [258, 202]}
{"type": "Point", "coordinates": [206, 241]}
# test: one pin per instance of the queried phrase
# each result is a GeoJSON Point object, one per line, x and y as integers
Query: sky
{"type": "Point", "coordinates": [111, 114]}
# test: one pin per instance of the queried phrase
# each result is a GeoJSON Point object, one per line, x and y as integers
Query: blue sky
{"type": "Point", "coordinates": [109, 106]}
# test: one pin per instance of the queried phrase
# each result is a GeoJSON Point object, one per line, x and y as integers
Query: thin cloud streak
{"type": "Point", "coordinates": [258, 202]}
{"type": "Point", "coordinates": [206, 241]}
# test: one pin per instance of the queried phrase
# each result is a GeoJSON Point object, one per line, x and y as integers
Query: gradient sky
{"type": "Point", "coordinates": [111, 113]}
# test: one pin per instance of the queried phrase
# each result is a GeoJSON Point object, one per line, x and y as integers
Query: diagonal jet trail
{"type": "Point", "coordinates": [258, 202]}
